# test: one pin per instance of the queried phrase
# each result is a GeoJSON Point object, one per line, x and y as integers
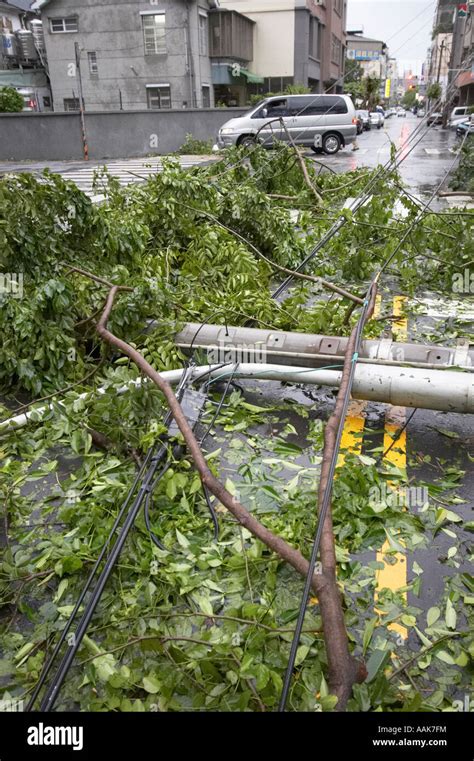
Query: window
{"type": "Point", "coordinates": [336, 47]}
{"type": "Point", "coordinates": [46, 101]}
{"type": "Point", "coordinates": [206, 96]}
{"type": "Point", "coordinates": [316, 105]}
{"type": "Point", "coordinates": [71, 104]}
{"type": "Point", "coordinates": [68, 24]}
{"type": "Point", "coordinates": [92, 61]}
{"type": "Point", "coordinates": [274, 110]}
{"type": "Point", "coordinates": [158, 96]}
{"type": "Point", "coordinates": [203, 35]}
{"type": "Point", "coordinates": [314, 38]}
{"type": "Point", "coordinates": [154, 33]}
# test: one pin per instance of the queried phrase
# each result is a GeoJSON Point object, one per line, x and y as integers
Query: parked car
{"type": "Point", "coordinates": [322, 122]}
{"type": "Point", "coordinates": [466, 126]}
{"type": "Point", "coordinates": [390, 112]}
{"type": "Point", "coordinates": [435, 118]}
{"type": "Point", "coordinates": [458, 115]}
{"type": "Point", "coordinates": [401, 112]}
{"type": "Point", "coordinates": [421, 113]}
{"type": "Point", "coordinates": [364, 117]}
{"type": "Point", "coordinates": [376, 119]}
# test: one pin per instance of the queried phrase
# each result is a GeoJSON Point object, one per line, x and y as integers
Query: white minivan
{"type": "Point", "coordinates": [458, 115]}
{"type": "Point", "coordinates": [322, 122]}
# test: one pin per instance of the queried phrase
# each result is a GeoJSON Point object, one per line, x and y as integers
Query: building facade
{"type": "Point", "coordinates": [373, 57]}
{"type": "Point", "coordinates": [128, 55]}
{"type": "Point", "coordinates": [451, 56]}
{"type": "Point", "coordinates": [440, 55]}
{"type": "Point", "coordinates": [22, 60]}
{"type": "Point", "coordinates": [465, 77]}
{"type": "Point", "coordinates": [295, 42]}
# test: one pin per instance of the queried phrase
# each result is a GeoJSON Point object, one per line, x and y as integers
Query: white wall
{"type": "Point", "coordinates": [274, 34]}
{"type": "Point", "coordinates": [12, 15]}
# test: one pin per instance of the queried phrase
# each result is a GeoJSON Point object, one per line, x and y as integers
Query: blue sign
{"type": "Point", "coordinates": [363, 55]}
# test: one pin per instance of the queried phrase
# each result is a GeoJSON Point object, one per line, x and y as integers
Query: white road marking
{"type": "Point", "coordinates": [123, 171]}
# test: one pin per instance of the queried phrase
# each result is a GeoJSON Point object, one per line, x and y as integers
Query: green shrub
{"type": "Point", "coordinates": [194, 147]}
{"type": "Point", "coordinates": [10, 100]}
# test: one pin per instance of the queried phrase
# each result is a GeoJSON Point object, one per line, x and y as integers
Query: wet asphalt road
{"type": "Point", "coordinates": [422, 170]}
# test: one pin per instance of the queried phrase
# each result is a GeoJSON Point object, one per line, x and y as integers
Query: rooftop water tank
{"type": "Point", "coordinates": [8, 45]}
{"type": "Point", "coordinates": [36, 27]}
{"type": "Point", "coordinates": [28, 50]}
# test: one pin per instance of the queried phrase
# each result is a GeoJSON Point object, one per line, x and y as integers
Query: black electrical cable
{"type": "Point", "coordinates": [52, 692]}
{"type": "Point", "coordinates": [400, 431]}
{"type": "Point", "coordinates": [86, 587]}
{"type": "Point", "coordinates": [219, 406]}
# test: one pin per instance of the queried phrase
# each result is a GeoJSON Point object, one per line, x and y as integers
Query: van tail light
{"type": "Point", "coordinates": [354, 121]}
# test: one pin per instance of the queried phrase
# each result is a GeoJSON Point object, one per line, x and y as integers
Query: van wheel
{"type": "Point", "coordinates": [331, 144]}
{"type": "Point", "coordinates": [247, 141]}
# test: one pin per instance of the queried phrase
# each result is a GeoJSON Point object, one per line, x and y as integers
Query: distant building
{"type": "Point", "coordinates": [440, 54]}
{"type": "Point", "coordinates": [452, 50]}
{"type": "Point", "coordinates": [294, 42]}
{"type": "Point", "coordinates": [133, 55]}
{"type": "Point", "coordinates": [373, 56]}
{"type": "Point", "coordinates": [22, 59]}
{"type": "Point", "coordinates": [391, 81]}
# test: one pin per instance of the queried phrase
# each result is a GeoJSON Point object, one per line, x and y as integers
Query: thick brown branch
{"type": "Point", "coordinates": [343, 669]}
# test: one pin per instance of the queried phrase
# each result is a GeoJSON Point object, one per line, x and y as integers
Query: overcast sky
{"type": "Point", "coordinates": [405, 25]}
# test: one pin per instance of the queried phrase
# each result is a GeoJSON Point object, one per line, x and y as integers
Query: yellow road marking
{"type": "Point", "coordinates": [352, 433]}
{"type": "Point", "coordinates": [394, 576]}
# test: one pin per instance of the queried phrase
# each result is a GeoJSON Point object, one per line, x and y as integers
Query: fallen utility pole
{"type": "Point", "coordinates": [229, 343]}
{"type": "Point", "coordinates": [444, 390]}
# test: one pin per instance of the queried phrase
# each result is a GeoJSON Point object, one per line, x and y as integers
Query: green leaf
{"type": "Point", "coordinates": [182, 541]}
{"type": "Point", "coordinates": [301, 654]}
{"type": "Point", "coordinates": [328, 702]}
{"type": "Point", "coordinates": [368, 632]}
{"type": "Point", "coordinates": [444, 656]}
{"type": "Point", "coordinates": [105, 666]}
{"type": "Point", "coordinates": [432, 615]}
{"type": "Point", "coordinates": [151, 684]}
{"type": "Point", "coordinates": [450, 615]}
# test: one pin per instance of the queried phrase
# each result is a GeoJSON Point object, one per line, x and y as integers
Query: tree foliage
{"type": "Point", "coordinates": [203, 625]}
{"type": "Point", "coordinates": [434, 91]}
{"type": "Point", "coordinates": [10, 100]}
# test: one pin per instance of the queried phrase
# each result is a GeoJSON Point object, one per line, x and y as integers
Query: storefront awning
{"type": "Point", "coordinates": [239, 71]}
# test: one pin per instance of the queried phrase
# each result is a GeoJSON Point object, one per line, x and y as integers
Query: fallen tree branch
{"type": "Point", "coordinates": [302, 163]}
{"type": "Point", "coordinates": [344, 670]}
{"type": "Point", "coordinates": [311, 278]}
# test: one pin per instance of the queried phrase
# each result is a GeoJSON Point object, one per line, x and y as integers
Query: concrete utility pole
{"type": "Point", "coordinates": [85, 145]}
{"type": "Point", "coordinates": [440, 61]}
